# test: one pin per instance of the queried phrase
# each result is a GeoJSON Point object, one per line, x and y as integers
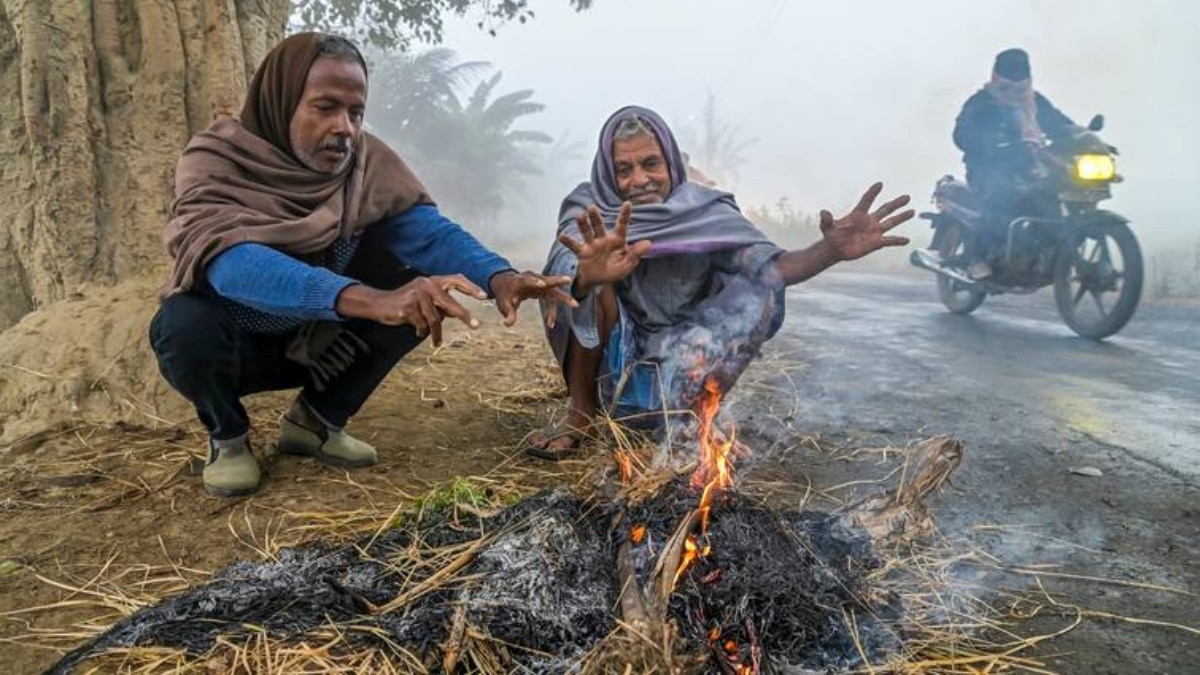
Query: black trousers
{"type": "Point", "coordinates": [1001, 201]}
{"type": "Point", "coordinates": [213, 363]}
{"type": "Point", "coordinates": [1004, 196]}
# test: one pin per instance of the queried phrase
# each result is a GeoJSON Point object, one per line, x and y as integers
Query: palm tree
{"type": "Point", "coordinates": [468, 153]}
{"type": "Point", "coordinates": [476, 157]}
{"type": "Point", "coordinates": [716, 146]}
{"type": "Point", "coordinates": [411, 89]}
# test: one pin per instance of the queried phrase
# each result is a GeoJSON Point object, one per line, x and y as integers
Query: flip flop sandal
{"type": "Point", "coordinates": [548, 452]}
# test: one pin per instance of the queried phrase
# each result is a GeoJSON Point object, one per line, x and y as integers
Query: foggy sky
{"type": "Point", "coordinates": [840, 94]}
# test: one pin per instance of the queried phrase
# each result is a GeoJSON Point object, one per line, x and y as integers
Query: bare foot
{"type": "Point", "coordinates": [563, 441]}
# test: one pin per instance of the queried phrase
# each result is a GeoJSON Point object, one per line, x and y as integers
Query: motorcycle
{"type": "Point", "coordinates": [1090, 255]}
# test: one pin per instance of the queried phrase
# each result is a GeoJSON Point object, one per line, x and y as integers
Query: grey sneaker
{"type": "Point", "coordinates": [332, 447]}
{"type": "Point", "coordinates": [231, 470]}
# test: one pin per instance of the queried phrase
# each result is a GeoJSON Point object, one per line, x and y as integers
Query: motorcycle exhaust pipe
{"type": "Point", "coordinates": [926, 259]}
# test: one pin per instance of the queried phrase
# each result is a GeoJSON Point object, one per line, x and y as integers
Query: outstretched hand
{"type": "Point", "coordinates": [604, 255]}
{"type": "Point", "coordinates": [423, 303]}
{"type": "Point", "coordinates": [863, 231]}
{"type": "Point", "coordinates": [511, 288]}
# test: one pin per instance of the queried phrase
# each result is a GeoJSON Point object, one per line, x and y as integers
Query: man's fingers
{"type": "Point", "coordinates": [447, 306]}
{"type": "Point", "coordinates": [890, 207]}
{"type": "Point", "coordinates": [826, 221]}
{"type": "Point", "coordinates": [585, 229]}
{"type": "Point", "coordinates": [551, 313]}
{"type": "Point", "coordinates": [868, 198]}
{"type": "Point", "coordinates": [623, 221]}
{"type": "Point", "coordinates": [557, 282]}
{"type": "Point", "coordinates": [417, 319]}
{"type": "Point", "coordinates": [897, 219]}
{"type": "Point", "coordinates": [433, 319]}
{"type": "Point", "coordinates": [893, 240]}
{"type": "Point", "coordinates": [596, 221]}
{"type": "Point", "coordinates": [576, 247]}
{"type": "Point", "coordinates": [461, 284]}
{"type": "Point", "coordinates": [584, 221]}
{"type": "Point", "coordinates": [558, 295]}
{"type": "Point", "coordinates": [510, 313]}
{"type": "Point", "coordinates": [640, 249]}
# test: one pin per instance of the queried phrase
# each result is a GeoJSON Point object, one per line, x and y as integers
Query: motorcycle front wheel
{"type": "Point", "coordinates": [1098, 279]}
{"type": "Point", "coordinates": [952, 250]}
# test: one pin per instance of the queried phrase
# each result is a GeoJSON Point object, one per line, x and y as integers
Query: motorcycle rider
{"type": "Point", "coordinates": [998, 130]}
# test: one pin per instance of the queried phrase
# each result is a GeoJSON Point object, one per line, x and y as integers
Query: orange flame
{"type": "Point", "coordinates": [625, 465]}
{"type": "Point", "coordinates": [715, 472]}
{"type": "Point", "coordinates": [638, 534]}
{"type": "Point", "coordinates": [690, 553]}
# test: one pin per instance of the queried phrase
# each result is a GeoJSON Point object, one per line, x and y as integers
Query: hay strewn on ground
{"type": "Point", "coordinates": [961, 622]}
{"type": "Point", "coordinates": [315, 609]}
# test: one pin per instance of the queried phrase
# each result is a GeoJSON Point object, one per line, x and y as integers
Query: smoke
{"type": "Point", "coordinates": [841, 95]}
{"type": "Point", "coordinates": [726, 333]}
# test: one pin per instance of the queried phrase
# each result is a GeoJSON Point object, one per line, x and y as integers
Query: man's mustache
{"type": "Point", "coordinates": [647, 189]}
{"type": "Point", "coordinates": [338, 144]}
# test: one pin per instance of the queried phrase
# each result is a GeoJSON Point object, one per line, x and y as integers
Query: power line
{"type": "Point", "coordinates": [770, 19]}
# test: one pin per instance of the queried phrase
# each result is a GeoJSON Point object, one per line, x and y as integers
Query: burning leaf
{"type": "Point", "coordinates": [690, 553]}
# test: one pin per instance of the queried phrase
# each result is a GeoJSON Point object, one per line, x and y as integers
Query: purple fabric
{"type": "Point", "coordinates": [693, 219]}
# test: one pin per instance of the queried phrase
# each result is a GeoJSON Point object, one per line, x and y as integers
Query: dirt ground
{"type": "Point", "coordinates": [123, 504]}
{"type": "Point", "coordinates": [99, 521]}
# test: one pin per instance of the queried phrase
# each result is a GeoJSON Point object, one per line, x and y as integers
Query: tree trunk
{"type": "Point", "coordinates": [99, 98]}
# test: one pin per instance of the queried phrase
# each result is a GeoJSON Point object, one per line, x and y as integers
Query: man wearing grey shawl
{"type": "Point", "coordinates": [677, 290]}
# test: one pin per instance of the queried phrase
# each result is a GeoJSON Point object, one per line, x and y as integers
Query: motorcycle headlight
{"type": "Point", "coordinates": [1095, 167]}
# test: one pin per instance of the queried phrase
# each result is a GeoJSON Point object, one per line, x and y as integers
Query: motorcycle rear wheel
{"type": "Point", "coordinates": [951, 247]}
{"type": "Point", "coordinates": [1102, 260]}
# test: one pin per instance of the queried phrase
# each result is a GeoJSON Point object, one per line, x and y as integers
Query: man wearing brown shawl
{"type": "Point", "coordinates": [998, 129]}
{"type": "Point", "coordinates": [307, 254]}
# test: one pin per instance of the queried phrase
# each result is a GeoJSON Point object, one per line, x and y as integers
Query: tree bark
{"type": "Point", "coordinates": [100, 98]}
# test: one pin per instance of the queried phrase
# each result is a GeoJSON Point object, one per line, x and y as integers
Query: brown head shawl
{"type": "Point", "coordinates": [240, 182]}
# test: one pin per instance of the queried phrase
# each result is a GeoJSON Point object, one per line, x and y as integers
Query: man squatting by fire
{"type": "Point", "coordinates": [307, 255]}
{"type": "Point", "coordinates": [676, 289]}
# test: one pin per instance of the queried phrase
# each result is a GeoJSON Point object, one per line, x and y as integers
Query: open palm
{"type": "Point", "coordinates": [605, 256]}
{"type": "Point", "coordinates": [862, 231]}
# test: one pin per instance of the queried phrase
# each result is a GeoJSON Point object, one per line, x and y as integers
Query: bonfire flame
{"type": "Point", "coordinates": [713, 475]}
{"type": "Point", "coordinates": [715, 472]}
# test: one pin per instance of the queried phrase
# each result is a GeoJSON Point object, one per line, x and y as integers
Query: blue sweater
{"type": "Point", "coordinates": [276, 284]}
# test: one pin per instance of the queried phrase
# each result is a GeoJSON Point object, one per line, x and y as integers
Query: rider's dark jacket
{"type": "Point", "coordinates": [985, 127]}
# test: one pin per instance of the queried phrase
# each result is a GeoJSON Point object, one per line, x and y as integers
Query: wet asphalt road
{"type": "Point", "coordinates": [901, 352]}
{"type": "Point", "coordinates": [1031, 401]}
